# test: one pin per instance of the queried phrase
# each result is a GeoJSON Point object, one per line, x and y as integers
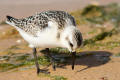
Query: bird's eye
{"type": "Point", "coordinates": [71, 44]}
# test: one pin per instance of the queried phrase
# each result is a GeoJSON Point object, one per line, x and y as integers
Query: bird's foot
{"type": "Point", "coordinates": [42, 71]}
{"type": "Point", "coordinates": [53, 65]}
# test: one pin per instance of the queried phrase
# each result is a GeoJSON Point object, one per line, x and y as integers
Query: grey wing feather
{"type": "Point", "coordinates": [40, 21]}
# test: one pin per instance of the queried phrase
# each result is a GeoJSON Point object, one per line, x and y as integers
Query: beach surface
{"type": "Point", "coordinates": [25, 8]}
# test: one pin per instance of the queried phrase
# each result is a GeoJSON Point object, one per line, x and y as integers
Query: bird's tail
{"type": "Point", "coordinates": [11, 21]}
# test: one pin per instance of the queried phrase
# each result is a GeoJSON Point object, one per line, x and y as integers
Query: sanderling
{"type": "Point", "coordinates": [49, 29]}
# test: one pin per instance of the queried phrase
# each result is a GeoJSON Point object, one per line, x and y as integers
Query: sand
{"type": "Point", "coordinates": [96, 70]}
{"type": "Point", "coordinates": [100, 66]}
{"type": "Point", "coordinates": [24, 8]}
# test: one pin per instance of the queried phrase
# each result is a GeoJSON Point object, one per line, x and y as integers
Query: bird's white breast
{"type": "Point", "coordinates": [45, 39]}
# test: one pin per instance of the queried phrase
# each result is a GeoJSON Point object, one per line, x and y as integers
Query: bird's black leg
{"type": "Point", "coordinates": [36, 63]}
{"type": "Point", "coordinates": [51, 59]}
{"type": "Point", "coordinates": [36, 60]}
{"type": "Point", "coordinates": [73, 59]}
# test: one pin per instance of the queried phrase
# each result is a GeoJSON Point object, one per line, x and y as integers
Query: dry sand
{"type": "Point", "coordinates": [24, 8]}
{"type": "Point", "coordinates": [96, 70]}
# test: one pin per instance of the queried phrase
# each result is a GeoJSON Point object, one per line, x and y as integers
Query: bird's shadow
{"type": "Point", "coordinates": [86, 58]}
{"type": "Point", "coordinates": [93, 59]}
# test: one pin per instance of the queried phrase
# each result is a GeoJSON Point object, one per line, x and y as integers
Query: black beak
{"type": "Point", "coordinates": [73, 59]}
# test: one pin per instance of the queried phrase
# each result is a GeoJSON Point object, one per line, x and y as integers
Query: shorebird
{"type": "Point", "coordinates": [49, 29]}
